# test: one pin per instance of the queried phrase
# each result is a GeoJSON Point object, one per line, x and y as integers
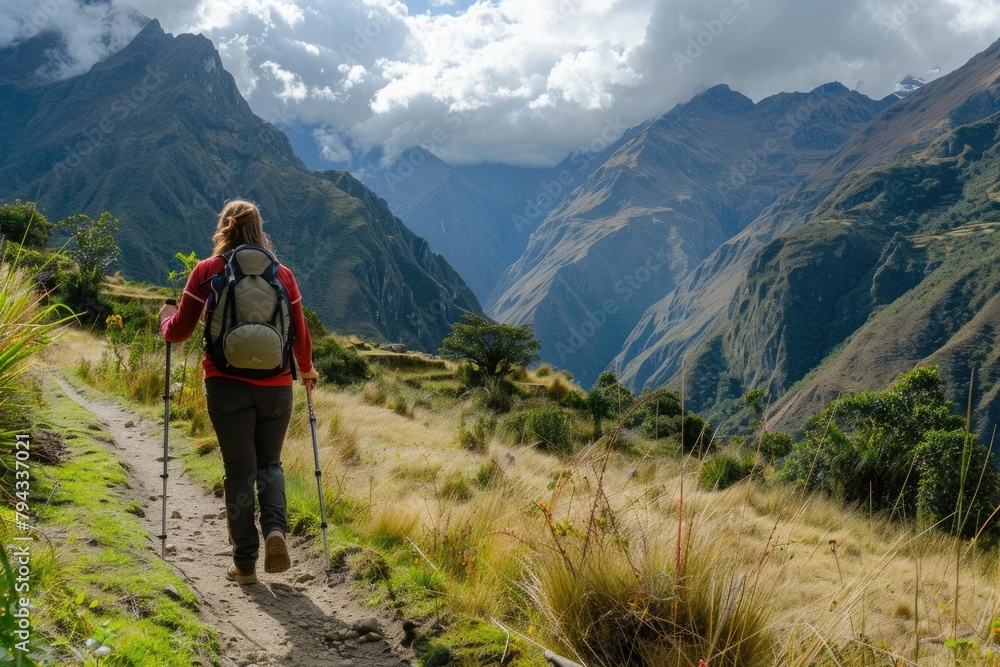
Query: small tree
{"type": "Point", "coordinates": [492, 349]}
{"type": "Point", "coordinates": [22, 223]}
{"type": "Point", "coordinates": [608, 399]}
{"type": "Point", "coordinates": [95, 250]}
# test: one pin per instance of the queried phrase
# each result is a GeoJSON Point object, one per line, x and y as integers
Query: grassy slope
{"type": "Point", "coordinates": [422, 536]}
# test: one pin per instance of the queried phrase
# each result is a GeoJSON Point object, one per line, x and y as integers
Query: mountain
{"type": "Point", "coordinates": [480, 217]}
{"type": "Point", "coordinates": [658, 206]}
{"type": "Point", "coordinates": [916, 248]}
{"type": "Point", "coordinates": [447, 209]}
{"type": "Point", "coordinates": [159, 135]}
{"type": "Point", "coordinates": [770, 306]}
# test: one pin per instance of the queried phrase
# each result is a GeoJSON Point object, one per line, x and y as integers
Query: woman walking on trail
{"type": "Point", "coordinates": [250, 414]}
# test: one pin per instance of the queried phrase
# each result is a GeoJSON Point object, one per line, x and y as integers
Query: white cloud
{"type": "Point", "coordinates": [527, 81]}
{"type": "Point", "coordinates": [331, 146]}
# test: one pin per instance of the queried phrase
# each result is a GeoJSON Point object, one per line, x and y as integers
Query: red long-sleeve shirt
{"type": "Point", "coordinates": [179, 326]}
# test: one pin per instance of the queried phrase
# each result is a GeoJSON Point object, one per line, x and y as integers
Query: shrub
{"type": "Point", "coordinates": [22, 223]}
{"type": "Point", "coordinates": [959, 486]}
{"type": "Point", "coordinates": [317, 330]}
{"type": "Point", "coordinates": [488, 474]}
{"type": "Point", "coordinates": [544, 370]}
{"type": "Point", "coordinates": [724, 470]}
{"type": "Point", "coordinates": [657, 404]}
{"type": "Point", "coordinates": [775, 445]}
{"type": "Point", "coordinates": [862, 447]}
{"type": "Point", "coordinates": [549, 427]}
{"type": "Point", "coordinates": [339, 365]}
{"type": "Point", "coordinates": [475, 440]}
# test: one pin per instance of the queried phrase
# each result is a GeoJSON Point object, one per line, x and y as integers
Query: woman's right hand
{"type": "Point", "coordinates": [167, 311]}
{"type": "Point", "coordinates": [310, 377]}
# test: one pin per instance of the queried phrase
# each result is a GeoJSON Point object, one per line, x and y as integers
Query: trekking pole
{"type": "Point", "coordinates": [166, 440]}
{"type": "Point", "coordinates": [319, 480]}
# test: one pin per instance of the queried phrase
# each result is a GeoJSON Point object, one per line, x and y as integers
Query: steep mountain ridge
{"type": "Point", "coordinates": [682, 325]}
{"type": "Point", "coordinates": [928, 296]}
{"type": "Point", "coordinates": [159, 135]}
{"type": "Point", "coordinates": [448, 210]}
{"type": "Point", "coordinates": [658, 207]}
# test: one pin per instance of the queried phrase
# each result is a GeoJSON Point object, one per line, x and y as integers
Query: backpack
{"type": "Point", "coordinates": [248, 324]}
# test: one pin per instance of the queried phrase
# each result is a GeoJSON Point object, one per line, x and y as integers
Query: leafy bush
{"type": "Point", "coordinates": [549, 427]}
{"type": "Point", "coordinates": [658, 403]}
{"type": "Point", "coordinates": [775, 445]}
{"type": "Point", "coordinates": [863, 448]}
{"type": "Point", "coordinates": [317, 330]}
{"type": "Point", "coordinates": [339, 365]}
{"type": "Point", "coordinates": [724, 470]}
{"type": "Point", "coordinates": [21, 222]}
{"type": "Point", "coordinates": [959, 484]}
{"type": "Point", "coordinates": [608, 399]}
{"type": "Point", "coordinates": [475, 439]}
{"type": "Point", "coordinates": [497, 394]}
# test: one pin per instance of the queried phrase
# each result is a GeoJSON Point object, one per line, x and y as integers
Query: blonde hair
{"type": "Point", "coordinates": [239, 224]}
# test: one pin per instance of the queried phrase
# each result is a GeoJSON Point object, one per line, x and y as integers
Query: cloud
{"type": "Point", "coordinates": [528, 81]}
{"type": "Point", "coordinates": [90, 32]}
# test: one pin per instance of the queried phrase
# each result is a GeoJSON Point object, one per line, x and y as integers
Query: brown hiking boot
{"type": "Point", "coordinates": [234, 574]}
{"type": "Point", "coordinates": [276, 553]}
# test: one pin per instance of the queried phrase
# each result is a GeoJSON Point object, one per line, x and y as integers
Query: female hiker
{"type": "Point", "coordinates": [250, 414]}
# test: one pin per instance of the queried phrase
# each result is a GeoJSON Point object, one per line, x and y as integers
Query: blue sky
{"type": "Point", "coordinates": [524, 81]}
{"type": "Point", "coordinates": [438, 6]}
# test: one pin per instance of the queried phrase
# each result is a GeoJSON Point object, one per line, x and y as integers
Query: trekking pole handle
{"type": "Point", "coordinates": [171, 302]}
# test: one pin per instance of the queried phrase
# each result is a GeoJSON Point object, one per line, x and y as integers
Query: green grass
{"type": "Point", "coordinates": [99, 566]}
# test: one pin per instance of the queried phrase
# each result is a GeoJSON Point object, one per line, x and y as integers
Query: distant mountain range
{"type": "Point", "coordinates": [806, 244]}
{"type": "Point", "coordinates": [728, 246]}
{"type": "Point", "coordinates": [159, 135]}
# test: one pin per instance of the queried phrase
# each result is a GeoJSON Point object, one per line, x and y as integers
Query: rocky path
{"type": "Point", "coordinates": [292, 618]}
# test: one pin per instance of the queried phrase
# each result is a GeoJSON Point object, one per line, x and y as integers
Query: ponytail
{"type": "Point", "coordinates": [239, 224]}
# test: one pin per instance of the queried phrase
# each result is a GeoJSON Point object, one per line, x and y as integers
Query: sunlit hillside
{"type": "Point", "coordinates": [617, 549]}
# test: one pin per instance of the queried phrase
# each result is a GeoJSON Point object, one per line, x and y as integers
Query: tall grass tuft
{"type": "Point", "coordinates": [614, 593]}
{"type": "Point", "coordinates": [26, 320]}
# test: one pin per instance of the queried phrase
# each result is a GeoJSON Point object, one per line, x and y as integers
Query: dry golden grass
{"type": "Point", "coordinates": [71, 345]}
{"type": "Point", "coordinates": [828, 574]}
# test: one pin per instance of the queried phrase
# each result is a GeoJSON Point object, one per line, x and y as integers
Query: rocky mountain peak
{"type": "Point", "coordinates": [720, 99]}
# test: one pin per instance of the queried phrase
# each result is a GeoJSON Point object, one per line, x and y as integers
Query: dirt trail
{"type": "Point", "coordinates": [283, 620]}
